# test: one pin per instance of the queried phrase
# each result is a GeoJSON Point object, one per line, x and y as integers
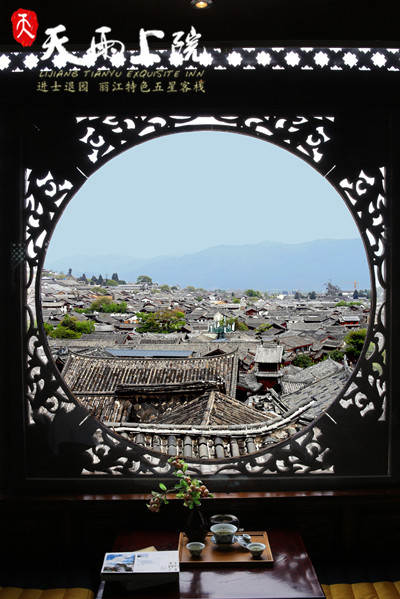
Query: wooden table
{"type": "Point", "coordinates": [291, 576]}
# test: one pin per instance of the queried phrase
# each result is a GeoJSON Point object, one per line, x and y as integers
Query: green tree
{"type": "Point", "coordinates": [105, 304]}
{"type": "Point", "coordinates": [165, 287]}
{"type": "Point", "coordinates": [355, 294]}
{"type": "Point", "coordinates": [100, 291]}
{"type": "Point", "coordinates": [97, 305]}
{"type": "Point", "coordinates": [94, 280]}
{"type": "Point", "coordinates": [252, 293]}
{"type": "Point", "coordinates": [343, 304]}
{"type": "Point", "coordinates": [114, 277]}
{"type": "Point", "coordinates": [86, 327]}
{"type": "Point", "coordinates": [161, 321]}
{"type": "Point", "coordinates": [337, 355]}
{"type": "Point", "coordinates": [312, 295]}
{"type": "Point", "coordinates": [61, 332]}
{"type": "Point", "coordinates": [100, 280]}
{"type": "Point", "coordinates": [111, 283]}
{"type": "Point", "coordinates": [71, 328]}
{"type": "Point", "coordinates": [354, 344]}
{"type": "Point", "coordinates": [48, 328]}
{"type": "Point", "coordinates": [239, 326]}
{"type": "Point", "coordinates": [144, 280]}
{"type": "Point", "coordinates": [302, 361]}
{"type": "Point", "coordinates": [235, 300]}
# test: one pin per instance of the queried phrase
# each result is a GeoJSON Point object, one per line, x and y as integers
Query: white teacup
{"type": "Point", "coordinates": [223, 533]}
{"type": "Point", "coordinates": [195, 548]}
{"type": "Point", "coordinates": [256, 549]}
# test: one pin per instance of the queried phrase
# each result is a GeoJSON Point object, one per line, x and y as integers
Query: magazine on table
{"type": "Point", "coordinates": [136, 569]}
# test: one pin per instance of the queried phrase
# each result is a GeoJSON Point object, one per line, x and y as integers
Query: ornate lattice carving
{"type": "Point", "coordinates": [59, 417]}
{"type": "Point", "coordinates": [367, 198]}
{"type": "Point", "coordinates": [266, 59]}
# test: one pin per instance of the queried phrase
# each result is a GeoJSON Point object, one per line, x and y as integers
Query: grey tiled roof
{"type": "Point", "coordinates": [149, 353]}
{"type": "Point", "coordinates": [84, 375]}
{"type": "Point", "coordinates": [314, 373]}
{"type": "Point", "coordinates": [227, 428]}
{"type": "Point", "coordinates": [291, 387]}
{"type": "Point", "coordinates": [269, 355]}
{"type": "Point", "coordinates": [213, 408]}
{"type": "Point", "coordinates": [320, 393]}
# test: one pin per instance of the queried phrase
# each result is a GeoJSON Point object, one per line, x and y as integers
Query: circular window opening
{"type": "Point", "coordinates": [206, 280]}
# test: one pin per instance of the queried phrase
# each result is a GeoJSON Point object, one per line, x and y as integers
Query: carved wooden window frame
{"type": "Point", "coordinates": [350, 441]}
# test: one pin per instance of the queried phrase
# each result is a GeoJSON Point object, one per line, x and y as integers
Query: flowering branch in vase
{"type": "Point", "coordinates": [191, 490]}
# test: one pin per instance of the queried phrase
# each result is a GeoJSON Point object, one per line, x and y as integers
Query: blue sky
{"type": "Point", "coordinates": [189, 191]}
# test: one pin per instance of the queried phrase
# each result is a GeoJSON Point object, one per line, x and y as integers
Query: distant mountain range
{"type": "Point", "coordinates": [266, 266]}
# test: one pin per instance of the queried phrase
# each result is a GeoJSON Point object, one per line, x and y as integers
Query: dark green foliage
{"type": "Point", "coordinates": [144, 279]}
{"type": "Point", "coordinates": [336, 355]}
{"type": "Point", "coordinates": [354, 344]}
{"type": "Point", "coordinates": [61, 332]}
{"type": "Point", "coordinates": [70, 328]}
{"type": "Point", "coordinates": [239, 326]}
{"type": "Point", "coordinates": [302, 361]}
{"type": "Point", "coordinates": [343, 304]}
{"type": "Point", "coordinates": [162, 321]}
{"type": "Point", "coordinates": [253, 293]}
{"type": "Point", "coordinates": [105, 304]}
{"type": "Point", "coordinates": [86, 327]}
{"type": "Point", "coordinates": [48, 327]}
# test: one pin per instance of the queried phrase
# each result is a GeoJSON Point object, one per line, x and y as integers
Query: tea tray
{"type": "Point", "coordinates": [225, 555]}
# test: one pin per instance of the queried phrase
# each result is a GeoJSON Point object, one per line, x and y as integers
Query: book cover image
{"type": "Point", "coordinates": [140, 569]}
{"type": "Point", "coordinates": [119, 562]}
